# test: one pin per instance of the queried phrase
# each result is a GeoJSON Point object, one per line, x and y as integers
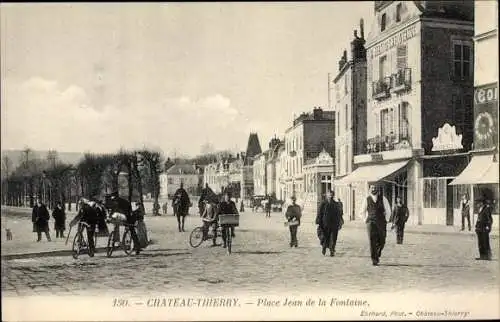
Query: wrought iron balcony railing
{"type": "Point", "coordinates": [387, 143]}
{"type": "Point", "coordinates": [401, 80]}
{"type": "Point", "coordinates": [380, 88]}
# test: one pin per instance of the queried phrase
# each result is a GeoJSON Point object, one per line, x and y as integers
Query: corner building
{"type": "Point", "coordinates": [419, 106]}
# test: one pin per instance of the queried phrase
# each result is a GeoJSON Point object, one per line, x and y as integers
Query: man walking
{"type": "Point", "coordinates": [374, 210]}
{"type": "Point", "coordinates": [59, 220]}
{"type": "Point", "coordinates": [329, 219]}
{"type": "Point", "coordinates": [465, 211]}
{"type": "Point", "coordinates": [483, 228]}
{"type": "Point", "coordinates": [40, 217]}
{"type": "Point", "coordinates": [293, 215]}
{"type": "Point", "coordinates": [398, 219]}
{"type": "Point", "coordinates": [268, 206]}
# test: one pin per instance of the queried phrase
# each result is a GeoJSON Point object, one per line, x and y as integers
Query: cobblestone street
{"type": "Point", "coordinates": [261, 262]}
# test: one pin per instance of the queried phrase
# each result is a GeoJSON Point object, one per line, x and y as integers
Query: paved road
{"type": "Point", "coordinates": [262, 262]}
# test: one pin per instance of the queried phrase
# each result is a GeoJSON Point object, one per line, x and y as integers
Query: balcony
{"type": "Point", "coordinates": [401, 80]}
{"type": "Point", "coordinates": [387, 143]}
{"type": "Point", "coordinates": [380, 88]}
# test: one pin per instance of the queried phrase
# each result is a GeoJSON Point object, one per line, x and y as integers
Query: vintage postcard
{"type": "Point", "coordinates": [249, 161]}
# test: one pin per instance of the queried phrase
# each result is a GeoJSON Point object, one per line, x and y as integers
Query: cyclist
{"type": "Point", "coordinates": [88, 215]}
{"type": "Point", "coordinates": [227, 206]}
{"type": "Point", "coordinates": [209, 218]}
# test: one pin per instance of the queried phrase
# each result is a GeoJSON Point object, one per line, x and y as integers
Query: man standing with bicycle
{"type": "Point", "coordinates": [227, 207]}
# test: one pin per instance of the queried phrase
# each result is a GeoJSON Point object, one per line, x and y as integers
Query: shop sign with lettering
{"type": "Point", "coordinates": [486, 94]}
{"type": "Point", "coordinates": [447, 139]}
{"type": "Point", "coordinates": [394, 41]}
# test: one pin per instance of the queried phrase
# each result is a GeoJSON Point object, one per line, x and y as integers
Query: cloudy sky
{"type": "Point", "coordinates": [97, 77]}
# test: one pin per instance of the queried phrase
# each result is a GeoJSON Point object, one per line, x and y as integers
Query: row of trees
{"type": "Point", "coordinates": [131, 173]}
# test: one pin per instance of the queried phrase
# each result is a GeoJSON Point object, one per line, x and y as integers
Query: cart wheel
{"type": "Point", "coordinates": [127, 242]}
{"type": "Point", "coordinates": [76, 245]}
{"type": "Point", "coordinates": [111, 244]}
{"type": "Point", "coordinates": [229, 240]}
{"type": "Point", "coordinates": [196, 237]}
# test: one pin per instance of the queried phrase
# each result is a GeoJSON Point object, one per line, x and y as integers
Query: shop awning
{"type": "Point", "coordinates": [491, 175]}
{"type": "Point", "coordinates": [476, 171]}
{"type": "Point", "coordinates": [372, 173]}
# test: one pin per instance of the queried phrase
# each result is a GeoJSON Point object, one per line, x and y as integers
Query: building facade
{"type": "Point", "coordinates": [419, 106]}
{"type": "Point", "coordinates": [260, 174]}
{"type": "Point", "coordinates": [318, 179]}
{"type": "Point", "coordinates": [304, 140]}
{"type": "Point", "coordinates": [191, 176]}
{"type": "Point", "coordinates": [480, 178]}
{"type": "Point", "coordinates": [247, 184]}
{"type": "Point", "coordinates": [273, 168]}
{"type": "Point", "coordinates": [350, 117]}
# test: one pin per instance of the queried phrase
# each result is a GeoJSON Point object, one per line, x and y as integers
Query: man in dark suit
{"type": "Point", "coordinates": [40, 217]}
{"type": "Point", "coordinates": [329, 219]}
{"type": "Point", "coordinates": [227, 207]}
{"type": "Point", "coordinates": [398, 219]}
{"type": "Point", "coordinates": [483, 228]}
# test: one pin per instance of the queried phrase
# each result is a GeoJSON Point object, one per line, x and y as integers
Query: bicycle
{"type": "Point", "coordinates": [126, 240]}
{"type": "Point", "coordinates": [227, 221]}
{"type": "Point", "coordinates": [80, 242]}
{"type": "Point", "coordinates": [196, 236]}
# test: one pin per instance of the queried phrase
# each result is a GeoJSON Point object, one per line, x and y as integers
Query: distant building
{"type": "Point", "coordinates": [304, 140]}
{"type": "Point", "coordinates": [264, 170]}
{"type": "Point", "coordinates": [253, 148]}
{"type": "Point", "coordinates": [317, 180]}
{"type": "Point", "coordinates": [189, 174]}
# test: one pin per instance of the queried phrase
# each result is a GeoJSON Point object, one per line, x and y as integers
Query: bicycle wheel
{"type": "Point", "coordinates": [229, 239]}
{"type": "Point", "coordinates": [75, 249]}
{"type": "Point", "coordinates": [196, 237]}
{"type": "Point", "coordinates": [127, 242]}
{"type": "Point", "coordinates": [111, 244]}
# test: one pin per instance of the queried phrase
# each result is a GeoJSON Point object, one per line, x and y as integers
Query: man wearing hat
{"type": "Point", "coordinates": [374, 210]}
{"type": "Point", "coordinates": [329, 219]}
{"type": "Point", "coordinates": [293, 215]}
{"type": "Point", "coordinates": [483, 228]}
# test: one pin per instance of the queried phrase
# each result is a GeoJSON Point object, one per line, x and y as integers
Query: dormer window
{"type": "Point", "coordinates": [383, 21]}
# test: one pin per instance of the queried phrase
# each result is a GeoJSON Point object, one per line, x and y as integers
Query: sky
{"type": "Point", "coordinates": [172, 76]}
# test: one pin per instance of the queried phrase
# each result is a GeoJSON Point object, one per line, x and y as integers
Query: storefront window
{"type": "Point", "coordinates": [434, 193]}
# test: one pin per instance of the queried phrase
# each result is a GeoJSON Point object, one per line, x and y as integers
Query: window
{"type": "Point", "coordinates": [402, 57]}
{"type": "Point", "coordinates": [382, 67]}
{"type": "Point", "coordinates": [345, 84]}
{"type": "Point", "coordinates": [170, 181]}
{"type": "Point", "coordinates": [399, 7]}
{"type": "Point", "coordinates": [383, 21]}
{"type": "Point", "coordinates": [462, 63]}
{"type": "Point", "coordinates": [384, 122]}
{"type": "Point", "coordinates": [403, 120]}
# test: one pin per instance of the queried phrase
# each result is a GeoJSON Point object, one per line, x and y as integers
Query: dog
{"type": "Point", "coordinates": [8, 232]}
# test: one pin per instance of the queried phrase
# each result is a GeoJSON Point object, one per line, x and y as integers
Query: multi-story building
{"type": "Point", "coordinates": [350, 116]}
{"type": "Point", "coordinates": [253, 148]}
{"type": "Point", "coordinates": [281, 174]}
{"type": "Point", "coordinates": [304, 140]}
{"type": "Point", "coordinates": [259, 174]}
{"type": "Point", "coordinates": [481, 175]}
{"type": "Point", "coordinates": [190, 175]}
{"type": "Point", "coordinates": [273, 166]}
{"type": "Point", "coordinates": [419, 105]}
{"type": "Point", "coordinates": [224, 174]}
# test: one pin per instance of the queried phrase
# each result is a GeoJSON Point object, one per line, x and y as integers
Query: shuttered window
{"type": "Point", "coordinates": [402, 57]}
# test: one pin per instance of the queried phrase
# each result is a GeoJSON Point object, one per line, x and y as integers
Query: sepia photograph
{"type": "Point", "coordinates": [230, 161]}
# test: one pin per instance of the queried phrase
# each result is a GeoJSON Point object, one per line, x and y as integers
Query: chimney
{"type": "Point", "coordinates": [362, 28]}
{"type": "Point", "coordinates": [318, 113]}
